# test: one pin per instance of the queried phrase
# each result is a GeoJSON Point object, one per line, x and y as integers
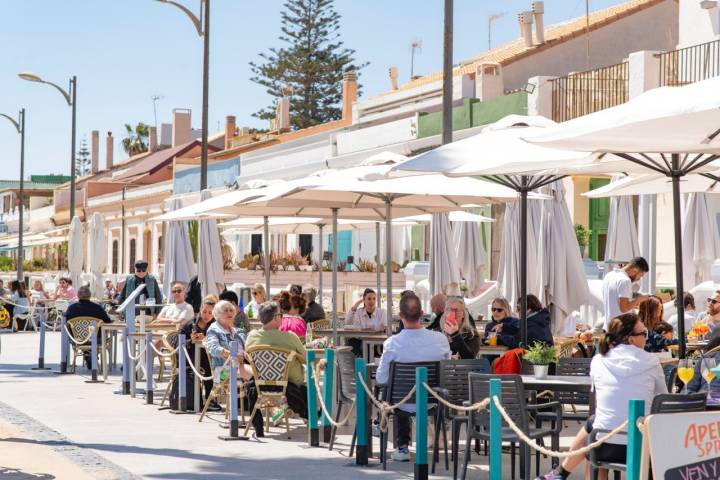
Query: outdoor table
{"type": "Point", "coordinates": [561, 383]}
{"type": "Point", "coordinates": [108, 329]}
{"type": "Point", "coordinates": [134, 337]}
{"type": "Point", "coordinates": [492, 350]}
{"type": "Point", "coordinates": [369, 338]}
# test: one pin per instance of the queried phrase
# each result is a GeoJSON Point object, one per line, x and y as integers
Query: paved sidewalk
{"type": "Point", "coordinates": [112, 436]}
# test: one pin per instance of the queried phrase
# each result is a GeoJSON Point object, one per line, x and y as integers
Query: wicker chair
{"type": "Point", "coordinates": [170, 342]}
{"type": "Point", "coordinates": [79, 328]}
{"type": "Point", "coordinates": [270, 367]}
{"type": "Point", "coordinates": [316, 325]}
{"type": "Point", "coordinates": [221, 392]}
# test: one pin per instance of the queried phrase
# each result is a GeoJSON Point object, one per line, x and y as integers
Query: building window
{"type": "Point", "coordinates": [132, 255]}
{"type": "Point", "coordinates": [255, 243]}
{"type": "Point", "coordinates": [115, 256]}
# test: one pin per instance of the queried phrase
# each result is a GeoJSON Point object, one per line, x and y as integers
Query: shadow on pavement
{"type": "Point", "coordinates": [14, 474]}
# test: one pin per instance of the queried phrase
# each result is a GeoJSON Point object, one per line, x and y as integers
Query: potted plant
{"type": "Point", "coordinates": [582, 235]}
{"type": "Point", "coordinates": [541, 356]}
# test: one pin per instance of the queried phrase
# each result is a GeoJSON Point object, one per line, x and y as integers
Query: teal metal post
{"type": "Point", "coordinates": [636, 410]}
{"type": "Point", "coordinates": [328, 392]}
{"type": "Point", "coordinates": [421, 424]}
{"type": "Point", "coordinates": [495, 431]}
{"type": "Point", "coordinates": [313, 433]}
{"type": "Point", "coordinates": [361, 416]}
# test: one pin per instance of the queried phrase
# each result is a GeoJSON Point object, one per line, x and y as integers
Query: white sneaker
{"type": "Point", "coordinates": [401, 455]}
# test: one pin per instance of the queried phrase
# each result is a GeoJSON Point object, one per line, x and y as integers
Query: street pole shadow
{"type": "Point", "coordinates": [15, 474]}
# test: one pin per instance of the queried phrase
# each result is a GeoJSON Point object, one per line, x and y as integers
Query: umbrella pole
{"type": "Point", "coordinates": [377, 258]}
{"type": "Point", "coordinates": [676, 173]}
{"type": "Point", "coordinates": [388, 264]}
{"type": "Point", "coordinates": [320, 265]}
{"type": "Point", "coordinates": [523, 261]}
{"type": "Point", "coordinates": [266, 248]}
{"type": "Point", "coordinates": [334, 274]}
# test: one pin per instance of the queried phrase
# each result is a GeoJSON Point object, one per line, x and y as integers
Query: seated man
{"type": "Point", "coordinates": [270, 316]}
{"type": "Point", "coordinates": [86, 308]}
{"type": "Point", "coordinates": [314, 311]}
{"type": "Point", "coordinates": [412, 344]}
{"type": "Point", "coordinates": [179, 310]}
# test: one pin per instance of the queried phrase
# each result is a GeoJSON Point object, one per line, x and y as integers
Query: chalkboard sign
{"type": "Point", "coordinates": [684, 446]}
{"type": "Point", "coordinates": [704, 470]}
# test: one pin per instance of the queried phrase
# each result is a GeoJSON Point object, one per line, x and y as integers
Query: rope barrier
{"type": "Point", "coordinates": [483, 405]}
{"type": "Point", "coordinates": [545, 451]}
{"type": "Point", "coordinates": [192, 365]}
{"type": "Point", "coordinates": [161, 354]}
{"type": "Point", "coordinates": [75, 340]}
{"type": "Point", "coordinates": [384, 408]}
{"type": "Point", "coordinates": [140, 354]}
{"type": "Point", "coordinates": [316, 371]}
{"type": "Point", "coordinates": [31, 307]}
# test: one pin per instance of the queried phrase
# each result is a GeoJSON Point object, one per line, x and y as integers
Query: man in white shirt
{"type": "Point", "coordinates": [617, 289]}
{"type": "Point", "coordinates": [412, 344]}
{"type": "Point", "coordinates": [179, 310]}
{"type": "Point", "coordinates": [691, 314]}
{"type": "Point", "coordinates": [711, 316]}
{"type": "Point", "coordinates": [368, 317]}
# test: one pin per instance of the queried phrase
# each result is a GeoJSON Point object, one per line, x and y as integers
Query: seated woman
{"type": "Point", "coordinates": [220, 334]}
{"type": "Point", "coordinates": [19, 297]}
{"type": "Point", "coordinates": [650, 312]}
{"type": "Point", "coordinates": [38, 292]}
{"type": "Point", "coordinates": [503, 324]}
{"type": "Point", "coordinates": [698, 383]}
{"type": "Point", "coordinates": [65, 290]}
{"type": "Point", "coordinates": [538, 322]}
{"type": "Point", "coordinates": [464, 339]}
{"type": "Point", "coordinates": [195, 332]}
{"type": "Point", "coordinates": [294, 307]}
{"type": "Point", "coordinates": [622, 372]}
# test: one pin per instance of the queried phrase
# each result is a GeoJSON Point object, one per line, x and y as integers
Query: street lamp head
{"type": "Point", "coordinates": [30, 77]}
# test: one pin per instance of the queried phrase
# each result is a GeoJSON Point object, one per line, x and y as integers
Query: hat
{"type": "Point", "coordinates": [141, 263]}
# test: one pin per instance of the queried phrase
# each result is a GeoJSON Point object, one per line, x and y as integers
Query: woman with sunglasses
{"type": "Point", "coordinates": [65, 290]}
{"type": "Point", "coordinates": [622, 372]}
{"type": "Point", "coordinates": [503, 325]}
{"type": "Point", "coordinates": [258, 298]}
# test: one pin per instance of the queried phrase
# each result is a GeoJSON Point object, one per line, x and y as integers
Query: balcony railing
{"type": "Point", "coordinates": [690, 64]}
{"type": "Point", "coordinates": [581, 93]}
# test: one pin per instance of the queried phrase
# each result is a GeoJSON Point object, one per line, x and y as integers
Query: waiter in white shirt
{"type": "Point", "coordinates": [368, 317]}
{"type": "Point", "coordinates": [618, 292]}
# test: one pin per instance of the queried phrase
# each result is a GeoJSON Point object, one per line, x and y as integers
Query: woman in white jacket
{"type": "Point", "coordinates": [622, 372]}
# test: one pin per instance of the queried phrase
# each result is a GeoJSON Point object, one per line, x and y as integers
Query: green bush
{"type": "Point", "coordinates": [6, 264]}
{"type": "Point", "coordinates": [541, 354]}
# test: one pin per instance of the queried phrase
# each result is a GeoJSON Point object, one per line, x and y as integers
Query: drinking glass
{"type": "Point", "coordinates": [686, 370]}
{"type": "Point", "coordinates": [707, 373]}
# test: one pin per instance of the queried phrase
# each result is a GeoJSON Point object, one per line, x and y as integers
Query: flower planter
{"type": "Point", "coordinates": [540, 371]}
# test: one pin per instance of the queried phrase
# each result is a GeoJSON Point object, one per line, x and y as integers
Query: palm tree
{"type": "Point", "coordinates": [136, 140]}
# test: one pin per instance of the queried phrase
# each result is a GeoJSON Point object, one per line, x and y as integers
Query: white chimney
{"type": "Point", "coordinates": [538, 9]}
{"type": "Point", "coordinates": [152, 139]}
{"type": "Point", "coordinates": [109, 147]}
{"type": "Point", "coordinates": [393, 72]}
{"type": "Point", "coordinates": [489, 81]}
{"type": "Point", "coordinates": [281, 122]}
{"type": "Point", "coordinates": [181, 130]}
{"type": "Point", "coordinates": [526, 20]}
{"type": "Point", "coordinates": [94, 151]}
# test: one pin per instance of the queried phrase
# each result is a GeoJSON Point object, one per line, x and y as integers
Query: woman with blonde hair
{"type": "Point", "coordinates": [503, 324]}
{"type": "Point", "coordinates": [259, 296]}
{"type": "Point", "coordinates": [464, 339]}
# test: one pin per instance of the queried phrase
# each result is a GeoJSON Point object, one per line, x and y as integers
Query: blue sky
{"type": "Point", "coordinates": [125, 51]}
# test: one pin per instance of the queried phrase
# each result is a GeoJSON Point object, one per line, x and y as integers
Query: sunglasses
{"type": "Point", "coordinates": [498, 309]}
{"type": "Point", "coordinates": [256, 293]}
{"type": "Point", "coordinates": [141, 269]}
{"type": "Point", "coordinates": [712, 301]}
{"type": "Point", "coordinates": [208, 302]}
{"type": "Point", "coordinates": [177, 290]}
{"type": "Point", "coordinates": [643, 334]}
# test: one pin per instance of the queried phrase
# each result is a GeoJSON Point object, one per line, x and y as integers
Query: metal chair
{"type": "Point", "coordinates": [79, 328]}
{"type": "Point", "coordinates": [402, 380]}
{"type": "Point", "coordinates": [346, 390]}
{"type": "Point", "coordinates": [270, 367]}
{"type": "Point", "coordinates": [663, 403]}
{"type": "Point", "coordinates": [515, 403]}
{"type": "Point", "coordinates": [454, 385]}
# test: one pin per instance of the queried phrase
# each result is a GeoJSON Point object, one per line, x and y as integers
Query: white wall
{"type": "Point", "coordinates": [696, 24]}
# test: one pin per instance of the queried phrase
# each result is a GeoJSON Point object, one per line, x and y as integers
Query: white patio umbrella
{"type": "Point", "coordinates": [622, 235]}
{"type": "Point", "coordinates": [669, 130]}
{"type": "Point", "coordinates": [179, 262]}
{"type": "Point", "coordinates": [701, 242]}
{"type": "Point", "coordinates": [444, 270]}
{"type": "Point", "coordinates": [75, 251]}
{"type": "Point", "coordinates": [470, 252]}
{"type": "Point", "coordinates": [562, 275]}
{"type": "Point", "coordinates": [97, 253]}
{"type": "Point", "coordinates": [210, 268]}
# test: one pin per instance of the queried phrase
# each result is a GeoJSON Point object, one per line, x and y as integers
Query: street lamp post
{"type": "Point", "coordinates": [202, 25]}
{"type": "Point", "coordinates": [19, 125]}
{"type": "Point", "coordinates": [70, 96]}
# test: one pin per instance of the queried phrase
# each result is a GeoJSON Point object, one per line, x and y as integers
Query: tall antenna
{"type": "Point", "coordinates": [415, 44]}
{"type": "Point", "coordinates": [491, 19]}
{"type": "Point", "coordinates": [154, 99]}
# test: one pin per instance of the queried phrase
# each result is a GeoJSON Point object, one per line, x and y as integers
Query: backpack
{"type": "Point", "coordinates": [509, 362]}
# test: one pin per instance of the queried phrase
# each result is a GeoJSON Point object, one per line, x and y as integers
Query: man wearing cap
{"type": "Point", "coordinates": [141, 276]}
